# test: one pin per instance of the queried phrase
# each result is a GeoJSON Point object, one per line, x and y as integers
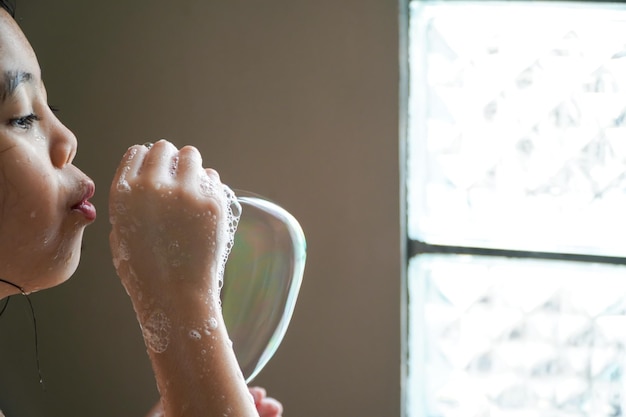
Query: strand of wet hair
{"type": "Point", "coordinates": [32, 314]}
{"type": "Point", "coordinates": [8, 6]}
{"type": "Point", "coordinates": [4, 307]}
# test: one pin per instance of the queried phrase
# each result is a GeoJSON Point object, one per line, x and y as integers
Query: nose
{"type": "Point", "coordinates": [63, 144]}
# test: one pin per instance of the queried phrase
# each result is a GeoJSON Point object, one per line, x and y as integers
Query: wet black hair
{"type": "Point", "coordinates": [9, 6]}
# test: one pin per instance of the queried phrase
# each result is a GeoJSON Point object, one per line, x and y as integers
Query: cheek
{"type": "Point", "coordinates": [35, 250]}
{"type": "Point", "coordinates": [27, 212]}
{"type": "Point", "coordinates": [38, 257]}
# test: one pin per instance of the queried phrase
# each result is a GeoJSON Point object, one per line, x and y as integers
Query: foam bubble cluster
{"type": "Point", "coordinates": [122, 254]}
{"type": "Point", "coordinates": [231, 209]}
{"type": "Point", "coordinates": [156, 331]}
{"type": "Point", "coordinates": [122, 184]}
{"type": "Point", "coordinates": [233, 213]}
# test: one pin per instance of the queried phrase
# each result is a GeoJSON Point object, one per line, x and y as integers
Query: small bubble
{"type": "Point", "coordinates": [211, 323]}
{"type": "Point", "coordinates": [195, 335]}
{"type": "Point", "coordinates": [174, 166]}
{"type": "Point", "coordinates": [235, 208]}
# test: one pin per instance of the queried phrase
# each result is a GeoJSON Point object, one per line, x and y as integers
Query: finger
{"type": "Point", "coordinates": [189, 164]}
{"type": "Point", "coordinates": [158, 163]}
{"type": "Point", "coordinates": [213, 174]}
{"type": "Point", "coordinates": [258, 394]}
{"type": "Point", "coordinates": [270, 407]}
{"type": "Point", "coordinates": [128, 167]}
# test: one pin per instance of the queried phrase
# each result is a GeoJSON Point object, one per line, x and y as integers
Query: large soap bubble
{"type": "Point", "coordinates": [261, 280]}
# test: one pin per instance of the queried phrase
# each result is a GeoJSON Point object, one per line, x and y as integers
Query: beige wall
{"type": "Point", "coordinates": [296, 100]}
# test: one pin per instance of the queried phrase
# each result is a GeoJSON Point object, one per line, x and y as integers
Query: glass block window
{"type": "Point", "coordinates": [518, 120]}
{"type": "Point", "coordinates": [516, 207]}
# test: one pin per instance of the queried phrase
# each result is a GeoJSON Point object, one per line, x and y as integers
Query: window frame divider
{"type": "Point", "coordinates": [417, 247]}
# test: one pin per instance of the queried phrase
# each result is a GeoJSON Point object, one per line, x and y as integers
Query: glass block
{"type": "Point", "coordinates": [517, 125]}
{"type": "Point", "coordinates": [498, 337]}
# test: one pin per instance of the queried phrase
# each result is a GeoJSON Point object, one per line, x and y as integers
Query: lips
{"type": "Point", "coordinates": [83, 205]}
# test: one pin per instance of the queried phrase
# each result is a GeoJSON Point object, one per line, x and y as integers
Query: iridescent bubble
{"type": "Point", "coordinates": [261, 280]}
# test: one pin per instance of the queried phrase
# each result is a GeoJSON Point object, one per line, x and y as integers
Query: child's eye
{"type": "Point", "coordinates": [24, 122]}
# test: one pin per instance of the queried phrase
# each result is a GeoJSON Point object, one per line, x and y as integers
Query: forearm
{"type": "Point", "coordinates": [171, 225]}
{"type": "Point", "coordinates": [265, 406]}
{"type": "Point", "coordinates": [193, 361]}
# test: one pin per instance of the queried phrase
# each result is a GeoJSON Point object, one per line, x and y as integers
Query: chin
{"type": "Point", "coordinates": [36, 268]}
{"type": "Point", "coordinates": [63, 272]}
{"type": "Point", "coordinates": [56, 273]}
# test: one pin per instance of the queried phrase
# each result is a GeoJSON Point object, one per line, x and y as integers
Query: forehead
{"type": "Point", "coordinates": [16, 54]}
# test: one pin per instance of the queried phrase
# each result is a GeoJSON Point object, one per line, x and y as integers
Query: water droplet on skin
{"type": "Point", "coordinates": [123, 185]}
{"type": "Point", "coordinates": [195, 335]}
{"type": "Point", "coordinates": [174, 247]}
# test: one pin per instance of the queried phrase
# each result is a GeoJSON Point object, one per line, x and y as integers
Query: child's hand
{"type": "Point", "coordinates": [170, 221]}
{"type": "Point", "coordinates": [265, 406]}
{"type": "Point", "coordinates": [173, 225]}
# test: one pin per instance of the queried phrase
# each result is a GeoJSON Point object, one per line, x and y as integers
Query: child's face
{"type": "Point", "coordinates": [43, 197]}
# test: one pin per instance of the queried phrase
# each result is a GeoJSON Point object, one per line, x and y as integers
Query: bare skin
{"type": "Point", "coordinates": [265, 406]}
{"type": "Point", "coordinates": [164, 206]}
{"type": "Point", "coordinates": [44, 209]}
{"type": "Point", "coordinates": [44, 198]}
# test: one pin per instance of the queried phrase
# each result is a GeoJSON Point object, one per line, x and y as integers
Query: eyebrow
{"type": "Point", "coordinates": [12, 79]}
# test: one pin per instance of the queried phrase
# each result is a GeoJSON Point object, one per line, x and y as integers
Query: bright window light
{"type": "Point", "coordinates": [516, 145]}
{"type": "Point", "coordinates": [495, 337]}
{"type": "Point", "coordinates": [518, 126]}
